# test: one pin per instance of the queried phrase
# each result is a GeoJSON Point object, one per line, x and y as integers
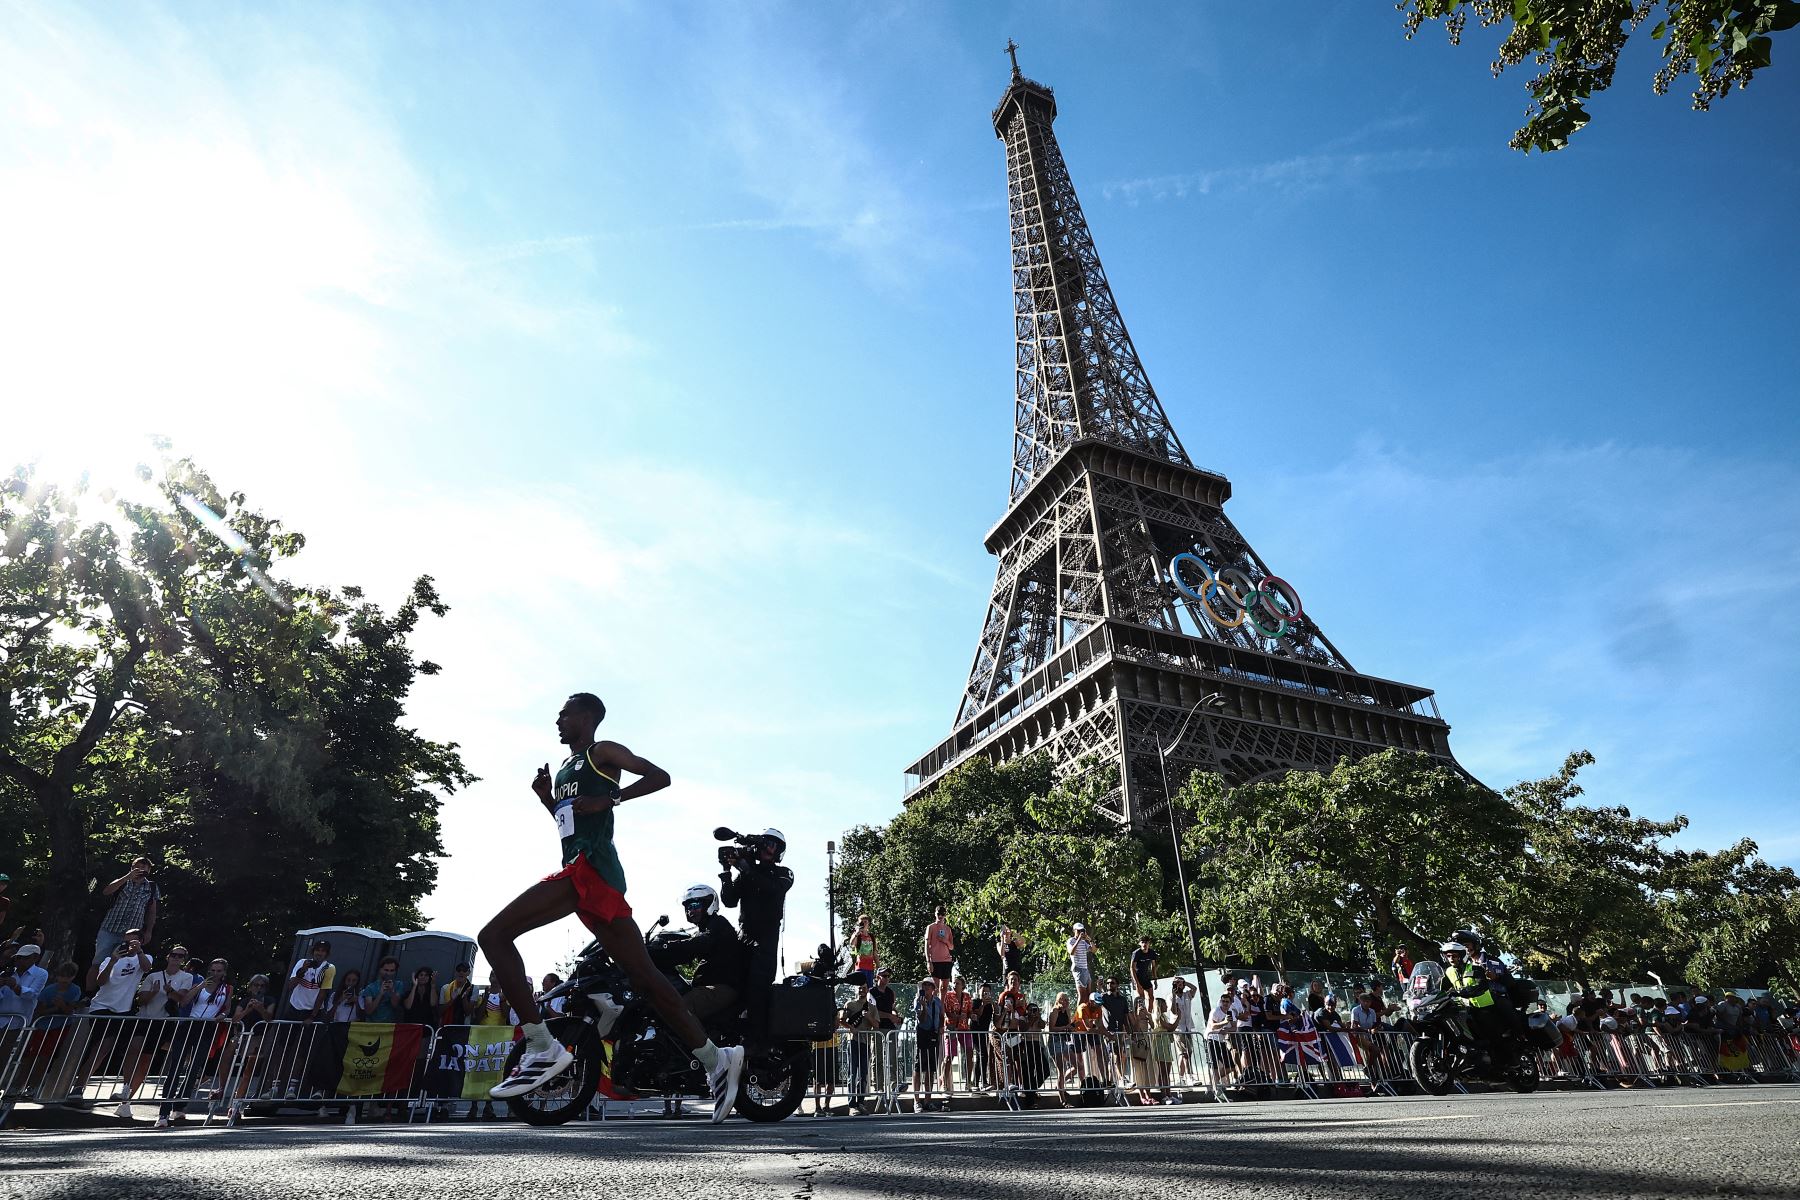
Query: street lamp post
{"type": "Point", "coordinates": [831, 899]}
{"type": "Point", "coordinates": [1210, 700]}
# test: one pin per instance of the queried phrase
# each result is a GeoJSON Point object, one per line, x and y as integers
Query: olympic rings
{"type": "Point", "coordinates": [1276, 597]}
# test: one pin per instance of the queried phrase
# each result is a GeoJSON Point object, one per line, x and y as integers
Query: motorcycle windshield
{"type": "Point", "coordinates": [1427, 980]}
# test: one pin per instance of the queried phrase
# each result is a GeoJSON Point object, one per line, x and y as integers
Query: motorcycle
{"type": "Point", "coordinates": [1445, 1050]}
{"type": "Point", "coordinates": [617, 1036]}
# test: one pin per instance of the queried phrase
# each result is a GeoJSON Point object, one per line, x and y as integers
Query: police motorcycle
{"type": "Point", "coordinates": [616, 1035]}
{"type": "Point", "coordinates": [1445, 1050]}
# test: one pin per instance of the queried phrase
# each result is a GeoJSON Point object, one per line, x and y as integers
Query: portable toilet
{"type": "Point", "coordinates": [432, 948]}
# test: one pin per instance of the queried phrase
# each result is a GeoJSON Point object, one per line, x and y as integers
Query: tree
{"type": "Point", "coordinates": [1731, 916]}
{"type": "Point", "coordinates": [1394, 848]}
{"type": "Point", "coordinates": [937, 850]}
{"type": "Point", "coordinates": [1579, 899]}
{"type": "Point", "coordinates": [159, 691]}
{"type": "Point", "coordinates": [1577, 43]}
{"type": "Point", "coordinates": [1073, 864]}
{"type": "Point", "coordinates": [1001, 843]}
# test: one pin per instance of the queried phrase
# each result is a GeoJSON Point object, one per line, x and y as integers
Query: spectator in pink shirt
{"type": "Point", "coordinates": [940, 947]}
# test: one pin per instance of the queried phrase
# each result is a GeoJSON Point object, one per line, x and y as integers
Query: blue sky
{"type": "Point", "coordinates": [675, 340]}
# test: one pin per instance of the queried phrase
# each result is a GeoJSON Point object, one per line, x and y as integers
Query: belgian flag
{"type": "Point", "coordinates": [379, 1059]}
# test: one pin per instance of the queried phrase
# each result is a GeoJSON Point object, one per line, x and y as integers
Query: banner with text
{"type": "Point", "coordinates": [469, 1060]}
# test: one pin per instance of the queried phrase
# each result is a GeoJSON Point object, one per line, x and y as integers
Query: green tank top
{"type": "Point", "coordinates": [587, 833]}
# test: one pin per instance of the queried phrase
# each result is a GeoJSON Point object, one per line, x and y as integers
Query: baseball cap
{"type": "Point", "coordinates": [1080, 928]}
{"type": "Point", "coordinates": [22, 951]}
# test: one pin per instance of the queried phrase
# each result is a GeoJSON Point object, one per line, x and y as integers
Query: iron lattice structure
{"type": "Point", "coordinates": [1097, 643]}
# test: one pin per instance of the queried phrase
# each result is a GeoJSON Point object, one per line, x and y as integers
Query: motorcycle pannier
{"type": "Point", "coordinates": [802, 1009]}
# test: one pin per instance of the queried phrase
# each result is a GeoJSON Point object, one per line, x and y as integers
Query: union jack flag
{"type": "Point", "coordinates": [1296, 1043]}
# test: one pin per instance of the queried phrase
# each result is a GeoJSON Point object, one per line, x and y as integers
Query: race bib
{"type": "Point", "coordinates": [565, 819]}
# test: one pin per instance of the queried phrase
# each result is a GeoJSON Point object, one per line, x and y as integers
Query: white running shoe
{"type": "Point", "coordinates": [724, 1078]}
{"type": "Point", "coordinates": [535, 1069]}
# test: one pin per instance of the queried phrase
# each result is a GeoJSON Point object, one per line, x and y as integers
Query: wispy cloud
{"type": "Point", "coordinates": [796, 131]}
{"type": "Point", "coordinates": [1299, 175]}
{"type": "Point", "coordinates": [1637, 588]}
{"type": "Point", "coordinates": [727, 629]}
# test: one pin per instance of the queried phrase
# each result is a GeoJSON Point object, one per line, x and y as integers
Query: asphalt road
{"type": "Point", "coordinates": [1735, 1141]}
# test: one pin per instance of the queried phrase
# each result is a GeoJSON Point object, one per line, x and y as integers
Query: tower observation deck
{"type": "Point", "coordinates": [1124, 594]}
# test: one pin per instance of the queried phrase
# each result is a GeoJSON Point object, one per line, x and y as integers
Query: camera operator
{"type": "Point", "coordinates": [714, 945]}
{"type": "Point", "coordinates": [762, 884]}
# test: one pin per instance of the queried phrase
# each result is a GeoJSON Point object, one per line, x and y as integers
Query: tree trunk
{"type": "Point", "coordinates": [1392, 930]}
{"type": "Point", "coordinates": [66, 882]}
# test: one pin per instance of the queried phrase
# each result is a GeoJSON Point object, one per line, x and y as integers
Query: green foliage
{"type": "Point", "coordinates": [1731, 916]}
{"type": "Point", "coordinates": [1001, 844]}
{"type": "Point", "coordinates": [1073, 864]}
{"type": "Point", "coordinates": [159, 693]}
{"type": "Point", "coordinates": [1577, 44]}
{"type": "Point", "coordinates": [1579, 902]}
{"type": "Point", "coordinates": [937, 850]}
{"type": "Point", "coordinates": [1390, 849]}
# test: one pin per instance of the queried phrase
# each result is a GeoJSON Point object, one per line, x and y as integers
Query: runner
{"type": "Point", "coordinates": [591, 885]}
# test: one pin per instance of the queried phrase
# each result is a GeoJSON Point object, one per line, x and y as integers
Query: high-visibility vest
{"type": "Point", "coordinates": [1468, 975]}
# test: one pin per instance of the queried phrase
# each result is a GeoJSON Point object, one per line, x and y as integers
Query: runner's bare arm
{"type": "Point", "coordinates": [651, 778]}
{"type": "Point", "coordinates": [541, 784]}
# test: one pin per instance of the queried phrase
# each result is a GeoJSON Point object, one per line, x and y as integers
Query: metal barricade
{"type": "Point", "coordinates": [1773, 1059]}
{"type": "Point", "coordinates": [1256, 1062]}
{"type": "Point", "coordinates": [1344, 1067]}
{"type": "Point", "coordinates": [461, 1064]}
{"type": "Point", "coordinates": [91, 1060]}
{"type": "Point", "coordinates": [1386, 1059]}
{"type": "Point", "coordinates": [862, 1069]}
{"type": "Point", "coordinates": [1081, 1068]}
{"type": "Point", "coordinates": [329, 1065]}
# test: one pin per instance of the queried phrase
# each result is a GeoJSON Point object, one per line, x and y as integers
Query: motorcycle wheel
{"type": "Point", "coordinates": [1525, 1073]}
{"type": "Point", "coordinates": [773, 1085]}
{"type": "Point", "coordinates": [1429, 1060]}
{"type": "Point", "coordinates": [569, 1094]}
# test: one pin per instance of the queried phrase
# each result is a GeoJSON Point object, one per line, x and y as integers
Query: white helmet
{"type": "Point", "coordinates": [699, 893]}
{"type": "Point", "coordinates": [775, 835]}
{"type": "Point", "coordinates": [1452, 948]}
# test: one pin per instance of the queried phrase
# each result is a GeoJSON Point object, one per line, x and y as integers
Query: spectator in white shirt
{"type": "Point", "coordinates": [161, 995]}
{"type": "Point", "coordinates": [1219, 1049]}
{"type": "Point", "coordinates": [166, 992]}
{"type": "Point", "coordinates": [307, 981]}
{"type": "Point", "coordinates": [116, 983]}
{"type": "Point", "coordinates": [1081, 959]}
{"type": "Point", "coordinates": [212, 996]}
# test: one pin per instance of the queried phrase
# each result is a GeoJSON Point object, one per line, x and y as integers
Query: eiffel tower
{"type": "Point", "coordinates": [1125, 597]}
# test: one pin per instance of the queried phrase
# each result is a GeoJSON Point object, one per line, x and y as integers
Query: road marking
{"type": "Point", "coordinates": [1395, 1120]}
{"type": "Point", "coordinates": [1721, 1103]}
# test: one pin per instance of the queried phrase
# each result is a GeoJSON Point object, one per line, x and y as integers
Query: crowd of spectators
{"type": "Point", "coordinates": [125, 978]}
{"type": "Point", "coordinates": [961, 1027]}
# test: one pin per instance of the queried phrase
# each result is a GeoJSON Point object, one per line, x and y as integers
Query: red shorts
{"type": "Point", "coordinates": [597, 902]}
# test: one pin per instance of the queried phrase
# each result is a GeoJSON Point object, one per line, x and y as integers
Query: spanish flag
{"type": "Point", "coordinates": [379, 1059]}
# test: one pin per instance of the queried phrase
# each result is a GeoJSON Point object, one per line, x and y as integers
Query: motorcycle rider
{"type": "Point", "coordinates": [713, 945]}
{"type": "Point", "coordinates": [762, 884]}
{"type": "Point", "coordinates": [1469, 983]}
{"type": "Point", "coordinates": [1499, 977]}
